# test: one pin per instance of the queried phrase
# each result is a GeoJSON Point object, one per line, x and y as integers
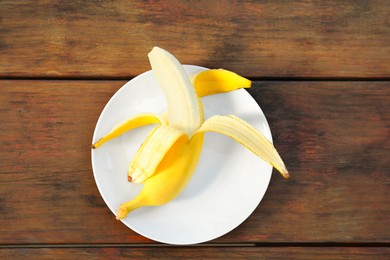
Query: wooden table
{"type": "Point", "coordinates": [321, 74]}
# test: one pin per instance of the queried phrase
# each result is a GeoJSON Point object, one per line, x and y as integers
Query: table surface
{"type": "Point", "coordinates": [320, 72]}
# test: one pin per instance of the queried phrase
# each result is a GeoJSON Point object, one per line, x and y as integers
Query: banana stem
{"type": "Point", "coordinates": [127, 207]}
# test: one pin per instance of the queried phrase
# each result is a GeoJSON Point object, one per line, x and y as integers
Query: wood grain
{"type": "Point", "coordinates": [198, 253]}
{"type": "Point", "coordinates": [103, 39]}
{"type": "Point", "coordinates": [334, 137]}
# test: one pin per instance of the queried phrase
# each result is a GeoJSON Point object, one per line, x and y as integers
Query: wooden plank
{"type": "Point", "coordinates": [199, 252]}
{"type": "Point", "coordinates": [253, 38]}
{"type": "Point", "coordinates": [334, 137]}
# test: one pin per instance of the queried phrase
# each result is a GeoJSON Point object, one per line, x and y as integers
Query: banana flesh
{"type": "Point", "coordinates": [167, 159]}
{"type": "Point", "coordinates": [142, 167]}
{"type": "Point", "coordinates": [184, 110]}
{"type": "Point", "coordinates": [170, 178]}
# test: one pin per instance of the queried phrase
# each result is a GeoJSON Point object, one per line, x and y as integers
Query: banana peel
{"type": "Point", "coordinates": [167, 159]}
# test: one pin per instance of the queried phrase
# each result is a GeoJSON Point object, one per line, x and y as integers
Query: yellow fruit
{"type": "Point", "coordinates": [170, 178]}
{"type": "Point", "coordinates": [167, 159]}
{"type": "Point", "coordinates": [142, 167]}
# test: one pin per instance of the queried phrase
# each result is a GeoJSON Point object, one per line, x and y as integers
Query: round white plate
{"type": "Point", "coordinates": [227, 186]}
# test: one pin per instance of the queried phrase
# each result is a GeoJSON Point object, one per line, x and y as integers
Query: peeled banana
{"type": "Point", "coordinates": [167, 159]}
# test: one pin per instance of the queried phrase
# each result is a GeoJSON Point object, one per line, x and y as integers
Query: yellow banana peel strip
{"type": "Point", "coordinates": [151, 152]}
{"type": "Point", "coordinates": [133, 122]}
{"type": "Point", "coordinates": [247, 135]}
{"type": "Point", "coordinates": [216, 81]}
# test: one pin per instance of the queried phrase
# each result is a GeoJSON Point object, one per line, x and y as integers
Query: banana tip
{"type": "Point", "coordinates": [286, 175]}
{"type": "Point", "coordinates": [97, 144]}
{"type": "Point", "coordinates": [121, 213]}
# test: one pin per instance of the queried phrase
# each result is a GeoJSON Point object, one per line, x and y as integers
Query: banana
{"type": "Point", "coordinates": [170, 178]}
{"type": "Point", "coordinates": [142, 167]}
{"type": "Point", "coordinates": [167, 159]}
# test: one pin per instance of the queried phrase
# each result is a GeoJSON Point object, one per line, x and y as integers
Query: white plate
{"type": "Point", "coordinates": [226, 188]}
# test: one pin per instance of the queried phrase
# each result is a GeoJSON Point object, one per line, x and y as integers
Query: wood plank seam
{"type": "Point", "coordinates": [220, 245]}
